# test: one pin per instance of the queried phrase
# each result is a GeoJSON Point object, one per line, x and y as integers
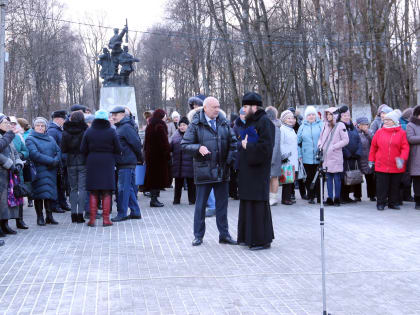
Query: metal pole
{"type": "Point", "coordinates": [321, 219]}
{"type": "Point", "coordinates": [3, 5]}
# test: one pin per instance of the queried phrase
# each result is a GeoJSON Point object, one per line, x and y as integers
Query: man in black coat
{"type": "Point", "coordinates": [126, 165]}
{"type": "Point", "coordinates": [255, 227]}
{"type": "Point", "coordinates": [212, 142]}
{"type": "Point", "coordinates": [55, 130]}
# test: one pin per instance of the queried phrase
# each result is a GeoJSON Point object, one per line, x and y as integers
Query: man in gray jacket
{"type": "Point", "coordinates": [212, 142]}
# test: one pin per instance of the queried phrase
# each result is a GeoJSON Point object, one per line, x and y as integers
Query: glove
{"type": "Point", "coordinates": [371, 164]}
{"type": "Point", "coordinates": [400, 162]}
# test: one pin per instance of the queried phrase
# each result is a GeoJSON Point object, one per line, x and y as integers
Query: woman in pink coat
{"type": "Point", "coordinates": [332, 140]}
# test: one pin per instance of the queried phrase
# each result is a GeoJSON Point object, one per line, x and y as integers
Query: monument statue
{"type": "Point", "coordinates": [118, 59]}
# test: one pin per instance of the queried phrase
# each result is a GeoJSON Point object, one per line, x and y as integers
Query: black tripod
{"type": "Point", "coordinates": [321, 174]}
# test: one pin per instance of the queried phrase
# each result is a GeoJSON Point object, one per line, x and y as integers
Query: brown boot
{"type": "Point", "coordinates": [106, 205]}
{"type": "Point", "coordinates": [93, 204]}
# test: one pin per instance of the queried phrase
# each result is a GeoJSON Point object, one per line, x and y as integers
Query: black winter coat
{"type": "Point", "coordinates": [71, 141]}
{"type": "Point", "coordinates": [214, 167]}
{"type": "Point", "coordinates": [238, 126]}
{"type": "Point", "coordinates": [101, 146]}
{"type": "Point", "coordinates": [130, 144]}
{"type": "Point", "coordinates": [182, 162]}
{"type": "Point", "coordinates": [353, 150]}
{"type": "Point", "coordinates": [255, 161]}
{"type": "Point", "coordinates": [365, 140]}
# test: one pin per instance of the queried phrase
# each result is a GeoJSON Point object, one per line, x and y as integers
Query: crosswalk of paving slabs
{"type": "Point", "coordinates": [148, 266]}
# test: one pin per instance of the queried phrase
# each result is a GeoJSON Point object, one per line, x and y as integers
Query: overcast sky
{"type": "Point", "coordinates": [141, 14]}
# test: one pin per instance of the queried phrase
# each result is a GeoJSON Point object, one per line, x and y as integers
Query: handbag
{"type": "Point", "coordinates": [301, 171]}
{"type": "Point", "coordinates": [287, 174]}
{"type": "Point", "coordinates": [22, 190]}
{"type": "Point", "coordinates": [29, 171]}
{"type": "Point", "coordinates": [353, 177]}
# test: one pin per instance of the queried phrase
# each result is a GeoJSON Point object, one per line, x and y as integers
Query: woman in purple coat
{"type": "Point", "coordinates": [332, 140]}
{"type": "Point", "coordinates": [182, 165]}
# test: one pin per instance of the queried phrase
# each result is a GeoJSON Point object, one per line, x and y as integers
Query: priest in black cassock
{"type": "Point", "coordinates": [255, 227]}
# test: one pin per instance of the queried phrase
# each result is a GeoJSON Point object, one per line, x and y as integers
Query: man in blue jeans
{"type": "Point", "coordinates": [126, 165]}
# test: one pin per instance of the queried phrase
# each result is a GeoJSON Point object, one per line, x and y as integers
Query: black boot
{"type": "Point", "coordinates": [417, 201]}
{"type": "Point", "coordinates": [39, 215]}
{"type": "Point", "coordinates": [30, 203]}
{"type": "Point", "coordinates": [154, 202]}
{"type": "Point", "coordinates": [2, 234]}
{"type": "Point", "coordinates": [20, 224]}
{"type": "Point", "coordinates": [73, 218]}
{"type": "Point", "coordinates": [79, 218]}
{"type": "Point", "coordinates": [6, 228]}
{"type": "Point", "coordinates": [49, 216]}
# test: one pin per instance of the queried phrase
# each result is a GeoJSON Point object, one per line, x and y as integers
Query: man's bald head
{"type": "Point", "coordinates": [211, 107]}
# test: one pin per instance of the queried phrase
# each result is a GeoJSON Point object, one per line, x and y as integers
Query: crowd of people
{"type": "Point", "coordinates": [92, 158]}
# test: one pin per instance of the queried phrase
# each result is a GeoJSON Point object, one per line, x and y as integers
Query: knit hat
{"type": "Point", "coordinates": [89, 118]}
{"type": "Point", "coordinates": [242, 111]}
{"type": "Point", "coordinates": [13, 119]}
{"type": "Point", "coordinates": [102, 114]}
{"type": "Point", "coordinates": [407, 113]}
{"type": "Point", "coordinates": [285, 114]}
{"type": "Point", "coordinates": [343, 109]}
{"type": "Point", "coordinates": [195, 101]}
{"type": "Point", "coordinates": [395, 116]}
{"type": "Point", "coordinates": [385, 109]}
{"type": "Point", "coordinates": [77, 107]}
{"type": "Point", "coordinates": [201, 97]}
{"type": "Point", "coordinates": [310, 110]}
{"type": "Point", "coordinates": [175, 114]}
{"type": "Point", "coordinates": [23, 123]}
{"type": "Point", "coordinates": [251, 98]}
{"type": "Point", "coordinates": [59, 114]}
{"type": "Point", "coordinates": [362, 121]}
{"type": "Point", "coordinates": [40, 120]}
{"type": "Point", "coordinates": [292, 109]}
{"type": "Point", "coordinates": [184, 120]}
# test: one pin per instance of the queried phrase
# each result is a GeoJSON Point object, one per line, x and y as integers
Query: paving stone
{"type": "Point", "coordinates": [148, 266]}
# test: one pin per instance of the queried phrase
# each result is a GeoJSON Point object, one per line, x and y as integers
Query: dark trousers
{"type": "Point", "coordinates": [388, 188]}
{"type": "Point", "coordinates": [221, 192]}
{"type": "Point", "coordinates": [416, 186]}
{"type": "Point", "coordinates": [405, 187]}
{"type": "Point", "coordinates": [179, 183]}
{"type": "Point", "coordinates": [61, 192]}
{"type": "Point", "coordinates": [233, 184]}
{"type": "Point", "coordinates": [286, 192]}
{"type": "Point", "coordinates": [310, 175]}
{"type": "Point", "coordinates": [370, 186]}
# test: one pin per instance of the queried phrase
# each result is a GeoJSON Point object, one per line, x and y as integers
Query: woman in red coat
{"type": "Point", "coordinates": [157, 151]}
{"type": "Point", "coordinates": [389, 153]}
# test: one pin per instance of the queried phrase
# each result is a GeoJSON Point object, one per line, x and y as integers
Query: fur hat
{"type": "Point", "coordinates": [175, 114]}
{"type": "Point", "coordinates": [59, 114]}
{"type": "Point", "coordinates": [285, 114]}
{"type": "Point", "coordinates": [310, 110]}
{"type": "Point", "coordinates": [195, 100]}
{"type": "Point", "coordinates": [395, 116]}
{"type": "Point", "coordinates": [252, 98]}
{"type": "Point", "coordinates": [102, 114]}
{"type": "Point", "coordinates": [184, 120]}
{"type": "Point", "coordinates": [416, 111]}
{"type": "Point", "coordinates": [385, 109]}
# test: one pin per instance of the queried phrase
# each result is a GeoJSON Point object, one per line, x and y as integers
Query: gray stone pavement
{"type": "Point", "coordinates": [148, 266]}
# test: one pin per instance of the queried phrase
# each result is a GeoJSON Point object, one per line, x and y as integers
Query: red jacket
{"type": "Point", "coordinates": [388, 144]}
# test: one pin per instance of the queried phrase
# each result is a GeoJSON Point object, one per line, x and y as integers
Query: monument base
{"type": "Point", "coordinates": [118, 95]}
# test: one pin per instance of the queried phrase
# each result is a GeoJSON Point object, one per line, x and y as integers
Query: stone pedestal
{"type": "Point", "coordinates": [119, 95]}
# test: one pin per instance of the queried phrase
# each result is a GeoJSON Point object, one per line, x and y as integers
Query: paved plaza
{"type": "Point", "coordinates": [148, 266]}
